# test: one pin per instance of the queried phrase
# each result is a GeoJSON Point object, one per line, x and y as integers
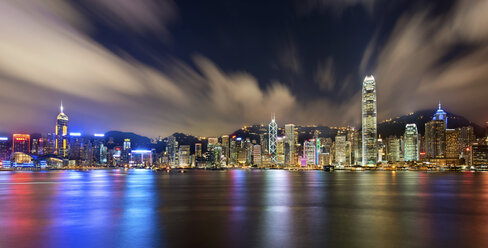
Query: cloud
{"type": "Point", "coordinates": [141, 16]}
{"type": "Point", "coordinates": [289, 57]}
{"type": "Point", "coordinates": [427, 59]}
{"type": "Point", "coordinates": [46, 57]}
{"type": "Point", "coordinates": [325, 75]}
{"type": "Point", "coordinates": [336, 6]}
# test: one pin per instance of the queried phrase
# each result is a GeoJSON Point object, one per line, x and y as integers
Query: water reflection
{"type": "Point", "coordinates": [242, 208]}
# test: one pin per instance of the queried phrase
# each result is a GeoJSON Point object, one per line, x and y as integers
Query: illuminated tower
{"type": "Point", "coordinates": [61, 132]}
{"type": "Point", "coordinates": [290, 139]}
{"type": "Point", "coordinates": [369, 120]}
{"type": "Point", "coordinates": [411, 137]}
{"type": "Point", "coordinates": [273, 132]}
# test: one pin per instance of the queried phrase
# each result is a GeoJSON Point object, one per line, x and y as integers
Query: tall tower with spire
{"type": "Point", "coordinates": [61, 133]}
{"type": "Point", "coordinates": [272, 137]}
{"type": "Point", "coordinates": [369, 119]}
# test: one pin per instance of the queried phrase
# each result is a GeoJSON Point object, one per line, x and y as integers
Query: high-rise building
{"type": "Point", "coordinates": [290, 140]}
{"type": "Point", "coordinates": [257, 159]}
{"type": "Point", "coordinates": [394, 149]}
{"type": "Point", "coordinates": [369, 119]}
{"type": "Point", "coordinates": [452, 143]}
{"type": "Point", "coordinates": [225, 148]}
{"type": "Point", "coordinates": [479, 155]}
{"type": "Point", "coordinates": [184, 155]}
{"type": "Point", "coordinates": [4, 148]}
{"type": "Point", "coordinates": [198, 150]}
{"type": "Point", "coordinates": [21, 143]}
{"type": "Point", "coordinates": [340, 150]}
{"type": "Point", "coordinates": [280, 151]}
{"type": "Point", "coordinates": [466, 139]}
{"type": "Point", "coordinates": [309, 151]}
{"type": "Point", "coordinates": [61, 132]}
{"type": "Point", "coordinates": [172, 149]}
{"type": "Point", "coordinates": [382, 156]}
{"type": "Point", "coordinates": [272, 137]}
{"type": "Point", "coordinates": [411, 137]}
{"type": "Point", "coordinates": [435, 135]}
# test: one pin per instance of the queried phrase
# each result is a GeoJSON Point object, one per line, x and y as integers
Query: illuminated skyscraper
{"type": "Point", "coordinates": [411, 137]}
{"type": "Point", "coordinates": [61, 133]}
{"type": "Point", "coordinates": [21, 143]}
{"type": "Point", "coordinates": [452, 143]}
{"type": "Point", "coordinates": [256, 156]}
{"type": "Point", "coordinates": [184, 155]}
{"type": "Point", "coordinates": [340, 150]}
{"type": "Point", "coordinates": [273, 132]}
{"type": "Point", "coordinates": [290, 140]}
{"type": "Point", "coordinates": [198, 150]}
{"type": "Point", "coordinates": [225, 148]}
{"type": "Point", "coordinates": [309, 152]}
{"type": "Point", "coordinates": [369, 119]}
{"type": "Point", "coordinates": [394, 149]}
{"type": "Point", "coordinates": [4, 148]}
{"type": "Point", "coordinates": [435, 135]}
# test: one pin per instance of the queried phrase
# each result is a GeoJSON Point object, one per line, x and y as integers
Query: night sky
{"type": "Point", "coordinates": [155, 67]}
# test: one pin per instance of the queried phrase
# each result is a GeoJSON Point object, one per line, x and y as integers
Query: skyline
{"type": "Point", "coordinates": [168, 68]}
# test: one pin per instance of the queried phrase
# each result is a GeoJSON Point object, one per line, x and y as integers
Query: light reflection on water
{"type": "Point", "coordinates": [242, 208]}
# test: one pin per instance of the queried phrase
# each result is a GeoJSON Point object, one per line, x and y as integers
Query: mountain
{"type": "Point", "coordinates": [396, 126]}
{"type": "Point", "coordinates": [137, 141]}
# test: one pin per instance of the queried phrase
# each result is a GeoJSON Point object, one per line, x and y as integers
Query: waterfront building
{"type": "Point", "coordinates": [272, 138]}
{"type": "Point", "coordinates": [61, 134]}
{"type": "Point", "coordinates": [309, 152]}
{"type": "Point", "coordinates": [225, 148]}
{"type": "Point", "coordinates": [394, 149]}
{"type": "Point", "coordinates": [479, 155]}
{"type": "Point", "coordinates": [75, 146]}
{"type": "Point", "coordinates": [369, 122]}
{"type": "Point", "coordinates": [411, 137]}
{"type": "Point", "coordinates": [452, 143]}
{"type": "Point", "coordinates": [435, 135]}
{"type": "Point", "coordinates": [184, 155]}
{"type": "Point", "coordinates": [290, 140]}
{"type": "Point", "coordinates": [280, 151]}
{"type": "Point", "coordinates": [198, 150]}
{"type": "Point", "coordinates": [172, 150]}
{"type": "Point", "coordinates": [21, 143]}
{"type": "Point", "coordinates": [4, 149]}
{"type": "Point", "coordinates": [382, 156]}
{"type": "Point", "coordinates": [466, 139]}
{"type": "Point", "coordinates": [340, 150]}
{"type": "Point", "coordinates": [256, 156]}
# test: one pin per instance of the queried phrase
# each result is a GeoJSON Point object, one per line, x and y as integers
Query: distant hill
{"type": "Point", "coordinates": [137, 141]}
{"type": "Point", "coordinates": [396, 126]}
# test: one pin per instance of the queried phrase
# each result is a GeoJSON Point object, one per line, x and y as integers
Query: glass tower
{"type": "Point", "coordinates": [369, 120]}
{"type": "Point", "coordinates": [411, 137]}
{"type": "Point", "coordinates": [273, 132]}
{"type": "Point", "coordinates": [61, 132]}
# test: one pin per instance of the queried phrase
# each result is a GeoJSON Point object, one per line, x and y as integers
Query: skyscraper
{"type": "Point", "coordinates": [452, 143]}
{"type": "Point", "coordinates": [4, 148]}
{"type": "Point", "coordinates": [290, 140]}
{"type": "Point", "coordinates": [21, 143]}
{"type": "Point", "coordinates": [411, 142]}
{"type": "Point", "coordinates": [225, 148]}
{"type": "Point", "coordinates": [340, 150]}
{"type": "Point", "coordinates": [273, 132]}
{"type": "Point", "coordinates": [435, 135]}
{"type": "Point", "coordinates": [61, 133]}
{"type": "Point", "coordinates": [369, 119]}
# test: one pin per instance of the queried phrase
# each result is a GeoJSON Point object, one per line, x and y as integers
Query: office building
{"type": "Point", "coordinates": [369, 122]}
{"type": "Point", "coordinates": [61, 134]}
{"type": "Point", "coordinates": [272, 138]}
{"type": "Point", "coordinates": [411, 137]}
